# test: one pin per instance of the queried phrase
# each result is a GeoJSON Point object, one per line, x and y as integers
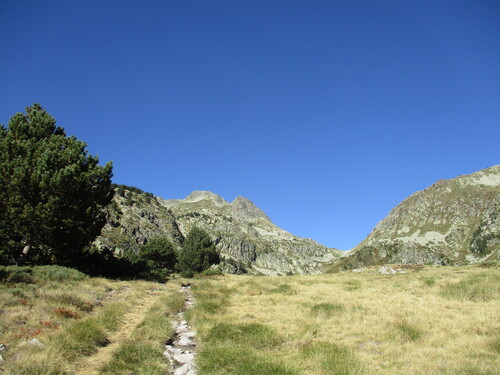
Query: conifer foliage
{"type": "Point", "coordinates": [52, 192]}
{"type": "Point", "coordinates": [198, 253]}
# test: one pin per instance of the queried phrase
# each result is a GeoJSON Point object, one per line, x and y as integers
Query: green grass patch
{"type": "Point", "coordinates": [408, 332]}
{"type": "Point", "coordinates": [331, 358]}
{"type": "Point", "coordinates": [351, 285]}
{"type": "Point", "coordinates": [230, 359]}
{"type": "Point", "coordinates": [80, 338]}
{"type": "Point", "coordinates": [283, 289]}
{"type": "Point", "coordinates": [481, 287]}
{"type": "Point", "coordinates": [495, 344]}
{"type": "Point", "coordinates": [429, 281]}
{"type": "Point", "coordinates": [254, 335]}
{"type": "Point", "coordinates": [136, 358]}
{"type": "Point", "coordinates": [39, 365]}
{"type": "Point", "coordinates": [327, 309]}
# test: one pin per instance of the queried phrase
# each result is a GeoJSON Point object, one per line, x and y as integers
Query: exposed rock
{"type": "Point", "coordinates": [452, 221]}
{"type": "Point", "coordinates": [247, 240]}
{"type": "Point", "coordinates": [246, 209]}
{"type": "Point", "coordinates": [359, 270]}
{"type": "Point", "coordinates": [32, 342]}
{"type": "Point", "coordinates": [186, 369]}
{"type": "Point", "coordinates": [180, 349]}
{"type": "Point", "coordinates": [386, 270]}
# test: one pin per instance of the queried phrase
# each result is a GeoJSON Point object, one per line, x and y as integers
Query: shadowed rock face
{"type": "Point", "coordinates": [452, 221]}
{"type": "Point", "coordinates": [247, 239]}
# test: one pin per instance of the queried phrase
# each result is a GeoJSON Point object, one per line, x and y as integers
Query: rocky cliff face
{"type": "Point", "coordinates": [246, 238]}
{"type": "Point", "coordinates": [452, 221]}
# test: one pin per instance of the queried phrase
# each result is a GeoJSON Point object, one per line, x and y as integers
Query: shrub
{"type": "Point", "coordinates": [39, 274]}
{"type": "Point", "coordinates": [15, 274]}
{"type": "Point", "coordinates": [57, 273]}
{"type": "Point", "coordinates": [198, 253]}
{"type": "Point", "coordinates": [158, 255]}
{"type": "Point", "coordinates": [212, 272]}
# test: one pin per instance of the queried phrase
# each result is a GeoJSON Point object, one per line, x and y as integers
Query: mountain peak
{"type": "Point", "coordinates": [197, 196]}
{"type": "Point", "coordinates": [246, 209]}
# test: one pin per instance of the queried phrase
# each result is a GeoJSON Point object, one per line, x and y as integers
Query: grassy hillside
{"type": "Point", "coordinates": [425, 321]}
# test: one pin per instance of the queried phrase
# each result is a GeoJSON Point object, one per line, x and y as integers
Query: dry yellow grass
{"type": "Point", "coordinates": [79, 322]}
{"type": "Point", "coordinates": [420, 322]}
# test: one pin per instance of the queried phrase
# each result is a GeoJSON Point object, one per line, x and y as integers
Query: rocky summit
{"type": "Point", "coordinates": [451, 222]}
{"type": "Point", "coordinates": [245, 236]}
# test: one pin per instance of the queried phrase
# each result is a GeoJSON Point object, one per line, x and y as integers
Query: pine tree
{"type": "Point", "coordinates": [52, 192]}
{"type": "Point", "coordinates": [198, 252]}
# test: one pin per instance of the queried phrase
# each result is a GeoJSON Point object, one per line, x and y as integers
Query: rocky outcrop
{"type": "Point", "coordinates": [452, 221]}
{"type": "Point", "coordinates": [246, 238]}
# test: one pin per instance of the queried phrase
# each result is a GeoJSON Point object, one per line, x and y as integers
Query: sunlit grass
{"type": "Point", "coordinates": [414, 323]}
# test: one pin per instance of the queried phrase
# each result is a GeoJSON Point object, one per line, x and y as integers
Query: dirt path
{"type": "Point", "coordinates": [91, 365]}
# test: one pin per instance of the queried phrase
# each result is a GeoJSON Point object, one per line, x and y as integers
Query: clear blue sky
{"type": "Point", "coordinates": [325, 113]}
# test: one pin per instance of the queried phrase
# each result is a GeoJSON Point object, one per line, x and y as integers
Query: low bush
{"type": "Point", "coordinates": [57, 273]}
{"type": "Point", "coordinates": [15, 274]}
{"type": "Point", "coordinates": [39, 274]}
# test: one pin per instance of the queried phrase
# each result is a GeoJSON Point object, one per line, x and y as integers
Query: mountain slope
{"type": "Point", "coordinates": [450, 222]}
{"type": "Point", "coordinates": [246, 238]}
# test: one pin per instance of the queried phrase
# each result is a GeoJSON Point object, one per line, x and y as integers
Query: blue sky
{"type": "Point", "coordinates": [325, 113]}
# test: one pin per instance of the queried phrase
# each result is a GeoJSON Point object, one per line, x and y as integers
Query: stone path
{"type": "Point", "coordinates": [180, 348]}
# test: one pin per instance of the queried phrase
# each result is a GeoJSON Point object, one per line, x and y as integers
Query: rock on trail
{"type": "Point", "coordinates": [180, 349]}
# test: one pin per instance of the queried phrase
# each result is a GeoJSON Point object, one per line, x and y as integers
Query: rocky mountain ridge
{"type": "Point", "coordinates": [453, 221]}
{"type": "Point", "coordinates": [245, 236]}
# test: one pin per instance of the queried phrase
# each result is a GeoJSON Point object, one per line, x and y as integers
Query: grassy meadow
{"type": "Point", "coordinates": [429, 320]}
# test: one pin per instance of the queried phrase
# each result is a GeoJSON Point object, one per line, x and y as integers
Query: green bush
{"type": "Point", "coordinates": [212, 272]}
{"type": "Point", "coordinates": [57, 273]}
{"type": "Point", "coordinates": [39, 274]}
{"type": "Point", "coordinates": [155, 260]}
{"type": "Point", "coordinates": [15, 274]}
{"type": "Point", "coordinates": [198, 253]}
